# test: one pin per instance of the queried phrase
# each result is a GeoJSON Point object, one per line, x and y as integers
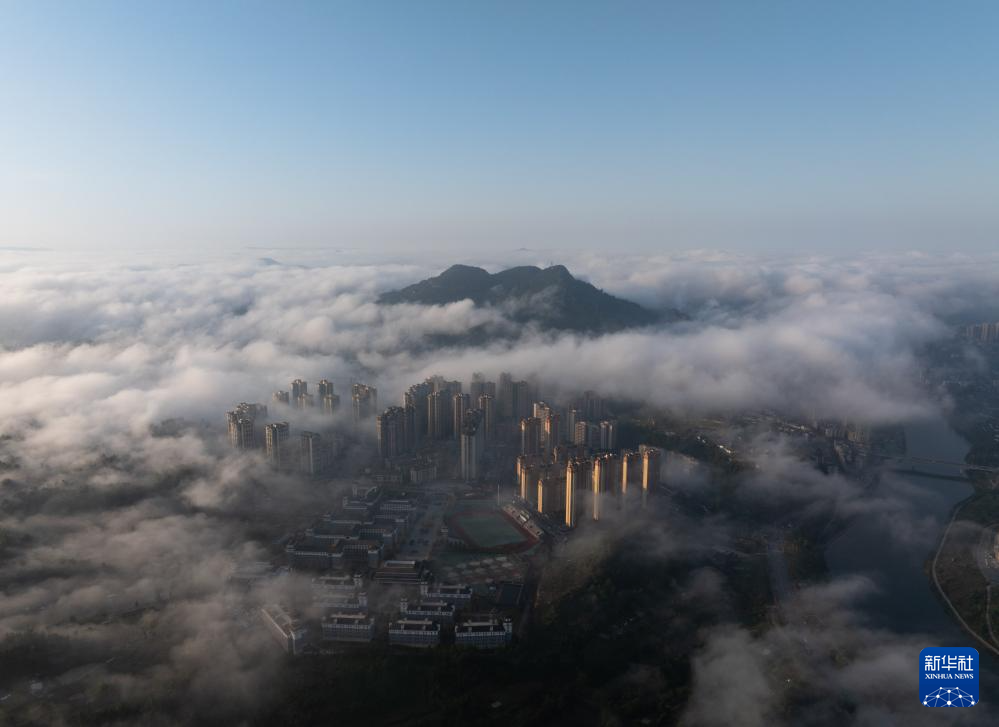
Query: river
{"type": "Point", "coordinates": [893, 549]}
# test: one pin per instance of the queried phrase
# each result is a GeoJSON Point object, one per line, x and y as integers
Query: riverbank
{"type": "Point", "coordinates": [955, 569]}
{"type": "Point", "coordinates": [893, 548]}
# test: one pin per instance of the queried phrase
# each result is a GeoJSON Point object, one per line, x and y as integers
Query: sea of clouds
{"type": "Point", "coordinates": [96, 510]}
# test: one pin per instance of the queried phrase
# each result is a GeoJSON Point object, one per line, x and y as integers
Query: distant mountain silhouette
{"type": "Point", "coordinates": [550, 297]}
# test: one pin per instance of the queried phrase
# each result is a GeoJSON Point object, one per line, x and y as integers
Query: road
{"type": "Point", "coordinates": [780, 578]}
{"type": "Point", "coordinates": [426, 528]}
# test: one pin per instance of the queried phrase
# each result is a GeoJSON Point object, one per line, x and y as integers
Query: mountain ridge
{"type": "Point", "coordinates": [549, 297]}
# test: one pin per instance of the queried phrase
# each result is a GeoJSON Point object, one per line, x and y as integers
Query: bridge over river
{"type": "Point", "coordinates": [910, 465]}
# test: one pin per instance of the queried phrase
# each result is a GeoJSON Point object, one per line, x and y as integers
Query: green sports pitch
{"type": "Point", "coordinates": [489, 529]}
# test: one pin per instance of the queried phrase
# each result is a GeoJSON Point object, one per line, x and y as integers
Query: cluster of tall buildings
{"type": "Point", "coordinates": [436, 409]}
{"type": "Point", "coordinates": [300, 398]}
{"type": "Point", "coordinates": [546, 429]}
{"type": "Point", "coordinates": [363, 398]}
{"type": "Point", "coordinates": [568, 464]}
{"type": "Point", "coordinates": [982, 332]}
{"type": "Point", "coordinates": [364, 402]}
{"type": "Point", "coordinates": [514, 398]}
{"type": "Point", "coordinates": [570, 483]}
{"type": "Point", "coordinates": [568, 469]}
{"type": "Point", "coordinates": [439, 410]}
{"type": "Point", "coordinates": [242, 425]}
{"type": "Point", "coordinates": [310, 452]}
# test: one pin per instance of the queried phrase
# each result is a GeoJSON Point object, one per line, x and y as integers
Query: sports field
{"type": "Point", "coordinates": [489, 529]}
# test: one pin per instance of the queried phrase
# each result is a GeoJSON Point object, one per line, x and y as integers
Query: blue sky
{"type": "Point", "coordinates": [388, 126]}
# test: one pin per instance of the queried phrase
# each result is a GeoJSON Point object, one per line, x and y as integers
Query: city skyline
{"type": "Point", "coordinates": [498, 363]}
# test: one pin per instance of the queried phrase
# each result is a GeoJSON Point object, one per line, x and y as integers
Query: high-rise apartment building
{"type": "Point", "coordinates": [390, 427]}
{"type": "Point", "coordinates": [608, 434]}
{"type": "Point", "coordinates": [331, 404]}
{"type": "Point", "coordinates": [578, 481]}
{"type": "Point", "coordinates": [572, 418]}
{"type": "Point", "coordinates": [487, 405]}
{"type": "Point", "coordinates": [605, 474]}
{"type": "Point", "coordinates": [652, 458]}
{"type": "Point", "coordinates": [592, 406]}
{"type": "Point", "coordinates": [477, 387]}
{"type": "Point", "coordinates": [440, 415]}
{"type": "Point", "coordinates": [416, 405]}
{"type": "Point", "coordinates": [551, 492]}
{"type": "Point", "coordinates": [530, 435]}
{"type": "Point", "coordinates": [276, 442]}
{"type": "Point", "coordinates": [439, 383]}
{"type": "Point", "coordinates": [315, 454]}
{"type": "Point", "coordinates": [529, 467]}
{"type": "Point", "coordinates": [480, 387]}
{"type": "Point", "coordinates": [257, 411]}
{"type": "Point", "coordinates": [631, 477]}
{"type": "Point", "coordinates": [472, 445]}
{"type": "Point", "coordinates": [364, 399]}
{"type": "Point", "coordinates": [281, 397]}
{"type": "Point", "coordinates": [504, 396]}
{"type": "Point", "coordinates": [551, 434]}
{"type": "Point", "coordinates": [460, 404]}
{"type": "Point", "coordinates": [241, 432]}
{"type": "Point", "coordinates": [241, 423]}
{"type": "Point", "coordinates": [324, 388]}
{"type": "Point", "coordinates": [409, 427]}
{"type": "Point", "coordinates": [522, 400]}
{"type": "Point", "coordinates": [298, 387]}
